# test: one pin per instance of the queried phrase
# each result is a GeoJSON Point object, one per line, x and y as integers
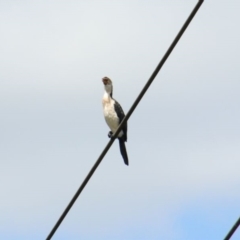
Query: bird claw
{"type": "Point", "coordinates": [110, 134]}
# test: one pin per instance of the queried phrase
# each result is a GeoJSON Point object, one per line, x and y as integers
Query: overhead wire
{"type": "Point", "coordinates": [233, 229]}
{"type": "Point", "coordinates": [136, 102]}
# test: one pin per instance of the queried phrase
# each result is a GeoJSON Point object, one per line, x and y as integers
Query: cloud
{"type": "Point", "coordinates": [183, 137]}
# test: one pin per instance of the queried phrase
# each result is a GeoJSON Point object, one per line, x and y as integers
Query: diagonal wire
{"type": "Point", "coordinates": [233, 229]}
{"type": "Point", "coordinates": [152, 77]}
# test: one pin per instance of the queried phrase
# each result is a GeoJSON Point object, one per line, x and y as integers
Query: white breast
{"type": "Point", "coordinates": [110, 114]}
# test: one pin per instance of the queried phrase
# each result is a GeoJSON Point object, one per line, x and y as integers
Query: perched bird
{"type": "Point", "coordinates": [114, 114]}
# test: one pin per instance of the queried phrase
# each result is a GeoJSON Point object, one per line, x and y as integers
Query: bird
{"type": "Point", "coordinates": [114, 114]}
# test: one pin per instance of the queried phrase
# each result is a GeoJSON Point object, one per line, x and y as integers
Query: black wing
{"type": "Point", "coordinates": [121, 115]}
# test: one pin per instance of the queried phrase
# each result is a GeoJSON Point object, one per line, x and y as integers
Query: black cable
{"type": "Point", "coordinates": [154, 74]}
{"type": "Point", "coordinates": [233, 229]}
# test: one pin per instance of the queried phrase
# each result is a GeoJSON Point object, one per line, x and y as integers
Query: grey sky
{"type": "Point", "coordinates": [184, 136]}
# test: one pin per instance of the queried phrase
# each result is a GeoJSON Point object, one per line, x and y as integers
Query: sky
{"type": "Point", "coordinates": [183, 138]}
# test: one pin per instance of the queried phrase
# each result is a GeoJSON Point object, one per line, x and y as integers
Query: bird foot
{"type": "Point", "coordinates": [110, 134]}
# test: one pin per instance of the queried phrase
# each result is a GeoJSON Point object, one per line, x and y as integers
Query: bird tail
{"type": "Point", "coordinates": [123, 150]}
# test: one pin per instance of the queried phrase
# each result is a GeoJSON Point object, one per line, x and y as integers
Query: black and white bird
{"type": "Point", "coordinates": [114, 114]}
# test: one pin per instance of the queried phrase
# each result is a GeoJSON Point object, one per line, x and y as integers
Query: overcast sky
{"type": "Point", "coordinates": [183, 181]}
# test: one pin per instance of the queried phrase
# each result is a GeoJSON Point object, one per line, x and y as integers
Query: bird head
{"type": "Point", "coordinates": [107, 85]}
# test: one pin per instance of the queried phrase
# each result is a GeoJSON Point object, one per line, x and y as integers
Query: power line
{"type": "Point", "coordinates": [233, 229]}
{"type": "Point", "coordinates": [154, 74]}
